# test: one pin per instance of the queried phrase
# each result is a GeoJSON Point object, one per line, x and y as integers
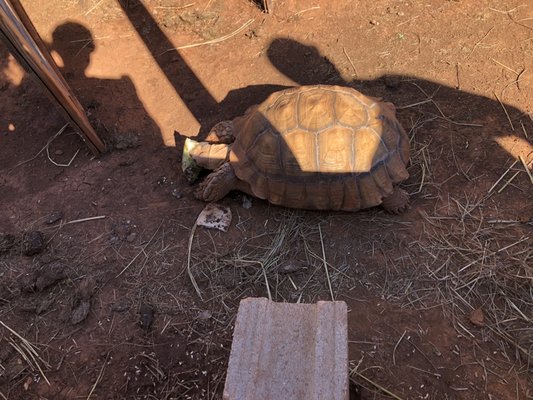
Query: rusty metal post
{"type": "Point", "coordinates": [24, 42]}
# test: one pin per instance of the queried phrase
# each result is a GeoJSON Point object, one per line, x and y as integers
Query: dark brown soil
{"type": "Point", "coordinates": [93, 252]}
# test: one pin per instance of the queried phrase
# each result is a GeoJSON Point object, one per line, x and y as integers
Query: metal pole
{"type": "Point", "coordinates": [22, 39]}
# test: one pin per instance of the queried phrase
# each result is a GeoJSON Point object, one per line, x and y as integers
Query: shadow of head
{"type": "Point", "coordinates": [445, 111]}
{"type": "Point", "coordinates": [73, 43]}
{"type": "Point", "coordinates": [302, 63]}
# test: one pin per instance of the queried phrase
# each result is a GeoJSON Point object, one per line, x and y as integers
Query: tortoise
{"type": "Point", "coordinates": [311, 147]}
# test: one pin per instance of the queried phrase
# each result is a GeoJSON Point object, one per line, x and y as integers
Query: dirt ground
{"type": "Point", "coordinates": [95, 298]}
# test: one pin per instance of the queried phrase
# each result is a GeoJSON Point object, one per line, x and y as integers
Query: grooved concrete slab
{"type": "Point", "coordinates": [285, 351]}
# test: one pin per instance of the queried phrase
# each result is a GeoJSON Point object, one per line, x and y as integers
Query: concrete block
{"type": "Point", "coordinates": [286, 351]}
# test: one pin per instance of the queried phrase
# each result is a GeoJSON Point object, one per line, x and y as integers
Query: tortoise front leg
{"type": "Point", "coordinates": [217, 184]}
{"type": "Point", "coordinates": [221, 133]}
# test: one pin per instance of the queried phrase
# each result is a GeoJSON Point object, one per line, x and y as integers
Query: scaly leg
{"type": "Point", "coordinates": [221, 133]}
{"type": "Point", "coordinates": [397, 202]}
{"type": "Point", "coordinates": [217, 184]}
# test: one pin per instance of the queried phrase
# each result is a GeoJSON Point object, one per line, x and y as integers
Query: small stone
{"type": "Point", "coordinates": [131, 237]}
{"type": "Point", "coordinates": [147, 316]}
{"type": "Point", "coordinates": [204, 315]}
{"type": "Point", "coordinates": [120, 305]}
{"type": "Point", "coordinates": [246, 202]}
{"type": "Point", "coordinates": [477, 317]}
{"type": "Point", "coordinates": [32, 243]}
{"type": "Point", "coordinates": [58, 152]}
{"type": "Point", "coordinates": [374, 22]}
{"type": "Point", "coordinates": [54, 217]}
{"type": "Point", "coordinates": [177, 194]}
{"type": "Point", "coordinates": [291, 267]}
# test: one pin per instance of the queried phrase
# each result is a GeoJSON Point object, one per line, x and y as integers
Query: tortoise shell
{"type": "Point", "coordinates": [320, 147]}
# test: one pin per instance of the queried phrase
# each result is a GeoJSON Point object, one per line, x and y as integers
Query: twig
{"type": "Point", "coordinates": [524, 129]}
{"type": "Point", "coordinates": [266, 281]}
{"type": "Point", "coordinates": [351, 63]}
{"type": "Point", "coordinates": [93, 8]}
{"type": "Point", "coordinates": [177, 7]}
{"type": "Point", "coordinates": [505, 110]}
{"type": "Point", "coordinates": [76, 221]}
{"type": "Point", "coordinates": [418, 103]}
{"type": "Point", "coordinates": [504, 66]}
{"type": "Point", "coordinates": [477, 44]}
{"type": "Point", "coordinates": [189, 272]}
{"type": "Point", "coordinates": [59, 164]}
{"type": "Point", "coordinates": [140, 252]}
{"type": "Point", "coordinates": [509, 181]}
{"type": "Point", "coordinates": [396, 346]}
{"type": "Point", "coordinates": [214, 41]}
{"type": "Point", "coordinates": [457, 75]}
{"type": "Point", "coordinates": [376, 385]}
{"type": "Point", "coordinates": [32, 352]}
{"type": "Point", "coordinates": [423, 370]}
{"type": "Point", "coordinates": [325, 263]}
{"type": "Point", "coordinates": [99, 377]}
{"type": "Point", "coordinates": [307, 9]}
{"type": "Point", "coordinates": [526, 167]}
{"type": "Point", "coordinates": [502, 176]}
{"type": "Point", "coordinates": [430, 98]}
{"type": "Point", "coordinates": [40, 151]}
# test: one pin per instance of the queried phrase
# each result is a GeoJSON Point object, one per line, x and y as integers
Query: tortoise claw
{"type": "Point", "coordinates": [397, 202]}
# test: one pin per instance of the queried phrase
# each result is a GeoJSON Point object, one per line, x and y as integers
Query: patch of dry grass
{"type": "Point", "coordinates": [287, 263]}
{"type": "Point", "coordinates": [472, 264]}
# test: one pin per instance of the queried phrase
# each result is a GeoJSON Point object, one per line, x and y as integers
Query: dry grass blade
{"type": "Point", "coordinates": [214, 41]}
{"type": "Point", "coordinates": [40, 151]}
{"type": "Point", "coordinates": [396, 346]}
{"type": "Point", "coordinates": [505, 111]}
{"type": "Point", "coordinates": [475, 263]}
{"type": "Point", "coordinates": [351, 62]}
{"type": "Point", "coordinates": [285, 263]}
{"type": "Point", "coordinates": [77, 221]}
{"type": "Point", "coordinates": [526, 168]}
{"type": "Point", "coordinates": [443, 116]}
{"type": "Point", "coordinates": [508, 181]}
{"type": "Point", "coordinates": [140, 252]}
{"type": "Point", "coordinates": [99, 378]}
{"type": "Point", "coordinates": [28, 351]}
{"type": "Point", "coordinates": [325, 263]}
{"type": "Point", "coordinates": [502, 176]}
{"type": "Point", "coordinates": [374, 384]}
{"type": "Point", "coordinates": [479, 42]}
{"type": "Point", "coordinates": [189, 272]}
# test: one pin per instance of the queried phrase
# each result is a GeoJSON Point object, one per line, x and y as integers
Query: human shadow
{"type": "Point", "coordinates": [472, 132]}
{"type": "Point", "coordinates": [113, 105]}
